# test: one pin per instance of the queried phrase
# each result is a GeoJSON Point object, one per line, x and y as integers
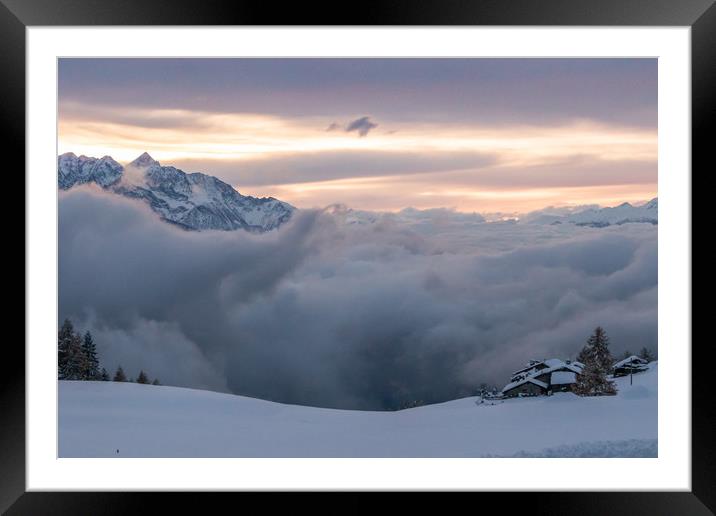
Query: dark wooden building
{"type": "Point", "coordinates": [630, 365]}
{"type": "Point", "coordinates": [542, 377]}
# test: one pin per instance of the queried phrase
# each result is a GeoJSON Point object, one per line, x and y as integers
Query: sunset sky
{"type": "Point", "coordinates": [487, 135]}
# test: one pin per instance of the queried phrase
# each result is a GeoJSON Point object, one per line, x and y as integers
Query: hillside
{"type": "Point", "coordinates": [98, 418]}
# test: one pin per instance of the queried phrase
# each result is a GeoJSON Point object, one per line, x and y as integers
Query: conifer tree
{"type": "Point", "coordinates": [597, 349]}
{"type": "Point", "coordinates": [64, 340]}
{"type": "Point", "coordinates": [156, 382]}
{"type": "Point", "coordinates": [104, 375]}
{"type": "Point", "coordinates": [76, 362]}
{"type": "Point", "coordinates": [597, 360]}
{"type": "Point", "coordinates": [119, 376]}
{"type": "Point", "coordinates": [92, 363]}
{"type": "Point", "coordinates": [626, 354]}
{"type": "Point", "coordinates": [593, 382]}
{"type": "Point", "coordinates": [142, 378]}
{"type": "Point", "coordinates": [646, 354]}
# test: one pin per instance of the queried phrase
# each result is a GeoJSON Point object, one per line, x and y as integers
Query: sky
{"type": "Point", "coordinates": [486, 135]}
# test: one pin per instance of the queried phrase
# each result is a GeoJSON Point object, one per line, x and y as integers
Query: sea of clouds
{"type": "Point", "coordinates": [338, 312]}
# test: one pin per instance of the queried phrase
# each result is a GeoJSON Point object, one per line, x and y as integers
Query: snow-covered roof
{"type": "Point", "coordinates": [563, 378]}
{"type": "Point", "coordinates": [549, 365]}
{"type": "Point", "coordinates": [529, 379]}
{"type": "Point", "coordinates": [630, 360]}
{"type": "Point", "coordinates": [556, 364]}
{"type": "Point", "coordinates": [530, 365]}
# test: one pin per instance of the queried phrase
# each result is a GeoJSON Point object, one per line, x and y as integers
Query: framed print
{"type": "Point", "coordinates": [419, 249]}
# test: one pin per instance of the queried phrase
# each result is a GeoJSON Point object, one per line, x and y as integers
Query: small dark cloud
{"type": "Point", "coordinates": [363, 125]}
{"type": "Point", "coordinates": [333, 127]}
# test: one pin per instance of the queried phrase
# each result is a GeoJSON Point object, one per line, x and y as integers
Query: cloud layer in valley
{"type": "Point", "coordinates": [415, 306]}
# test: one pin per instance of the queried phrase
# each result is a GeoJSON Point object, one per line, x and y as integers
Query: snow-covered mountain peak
{"type": "Point", "coordinates": [72, 170]}
{"type": "Point", "coordinates": [144, 161]}
{"type": "Point", "coordinates": [192, 201]}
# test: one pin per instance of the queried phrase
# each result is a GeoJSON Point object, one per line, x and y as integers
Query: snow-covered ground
{"type": "Point", "coordinates": [108, 419]}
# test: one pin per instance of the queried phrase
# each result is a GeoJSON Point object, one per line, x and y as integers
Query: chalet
{"type": "Point", "coordinates": [630, 365]}
{"type": "Point", "coordinates": [525, 387]}
{"type": "Point", "coordinates": [542, 377]}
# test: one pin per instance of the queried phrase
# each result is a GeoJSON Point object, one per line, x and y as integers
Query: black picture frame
{"type": "Point", "coordinates": [16, 15]}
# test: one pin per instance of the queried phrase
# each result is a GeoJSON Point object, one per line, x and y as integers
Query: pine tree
{"type": "Point", "coordinates": [119, 376]}
{"type": "Point", "coordinates": [597, 360]}
{"type": "Point", "coordinates": [593, 382]}
{"type": "Point", "coordinates": [142, 378]}
{"type": "Point", "coordinates": [92, 363]}
{"type": "Point", "coordinates": [156, 382]}
{"type": "Point", "coordinates": [104, 375]}
{"type": "Point", "coordinates": [64, 339]}
{"type": "Point", "coordinates": [646, 354]}
{"type": "Point", "coordinates": [626, 354]}
{"type": "Point", "coordinates": [76, 362]}
{"type": "Point", "coordinates": [597, 348]}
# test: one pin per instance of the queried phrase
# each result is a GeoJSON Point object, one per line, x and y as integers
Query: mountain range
{"type": "Point", "coordinates": [592, 216]}
{"type": "Point", "coordinates": [601, 217]}
{"type": "Point", "coordinates": [192, 201]}
{"type": "Point", "coordinates": [198, 201]}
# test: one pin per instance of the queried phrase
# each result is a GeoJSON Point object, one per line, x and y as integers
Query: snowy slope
{"type": "Point", "coordinates": [193, 201]}
{"type": "Point", "coordinates": [98, 418]}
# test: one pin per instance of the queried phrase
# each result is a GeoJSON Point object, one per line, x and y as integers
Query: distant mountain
{"type": "Point", "coordinates": [622, 214]}
{"type": "Point", "coordinates": [625, 213]}
{"type": "Point", "coordinates": [192, 201]}
{"type": "Point", "coordinates": [587, 215]}
{"type": "Point", "coordinates": [410, 216]}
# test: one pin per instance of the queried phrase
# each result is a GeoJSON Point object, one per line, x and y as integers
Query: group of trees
{"type": "Point", "coordinates": [598, 362]}
{"type": "Point", "coordinates": [77, 359]}
{"type": "Point", "coordinates": [645, 354]}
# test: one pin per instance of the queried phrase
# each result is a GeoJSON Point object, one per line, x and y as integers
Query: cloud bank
{"type": "Point", "coordinates": [366, 316]}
